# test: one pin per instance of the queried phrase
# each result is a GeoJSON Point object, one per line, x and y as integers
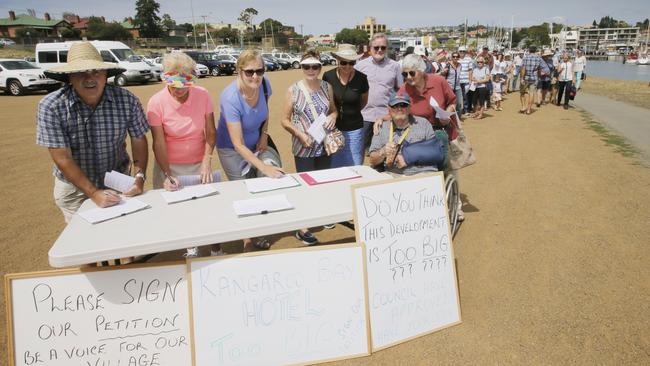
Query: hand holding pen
{"type": "Point", "coordinates": [171, 183]}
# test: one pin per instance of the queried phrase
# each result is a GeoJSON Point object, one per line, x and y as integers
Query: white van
{"type": "Point", "coordinates": [49, 55]}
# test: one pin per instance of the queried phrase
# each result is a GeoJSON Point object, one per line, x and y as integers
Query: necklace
{"type": "Point", "coordinates": [253, 96]}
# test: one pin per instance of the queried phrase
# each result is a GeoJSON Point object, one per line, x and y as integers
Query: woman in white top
{"type": "Point", "coordinates": [480, 77]}
{"type": "Point", "coordinates": [565, 80]}
{"type": "Point", "coordinates": [579, 66]}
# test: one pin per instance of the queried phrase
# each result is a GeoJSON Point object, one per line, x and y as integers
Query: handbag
{"type": "Point", "coordinates": [572, 92]}
{"type": "Point", "coordinates": [461, 153]}
{"type": "Point", "coordinates": [583, 76]}
{"type": "Point", "coordinates": [334, 139]}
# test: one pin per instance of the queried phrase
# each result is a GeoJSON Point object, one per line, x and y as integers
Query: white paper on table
{"type": "Point", "coordinates": [187, 193]}
{"type": "Point", "coordinates": [125, 207]}
{"type": "Point", "coordinates": [245, 165]}
{"type": "Point", "coordinates": [440, 113]}
{"type": "Point", "coordinates": [192, 180]}
{"type": "Point", "coordinates": [317, 129]}
{"type": "Point", "coordinates": [262, 205]}
{"type": "Point", "coordinates": [118, 181]}
{"type": "Point", "coordinates": [264, 184]}
{"type": "Point", "coordinates": [332, 175]}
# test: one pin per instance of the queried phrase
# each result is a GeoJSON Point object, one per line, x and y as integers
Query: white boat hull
{"type": "Point", "coordinates": [643, 61]}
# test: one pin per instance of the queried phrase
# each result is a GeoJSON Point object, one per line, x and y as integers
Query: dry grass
{"type": "Point", "coordinates": [634, 92]}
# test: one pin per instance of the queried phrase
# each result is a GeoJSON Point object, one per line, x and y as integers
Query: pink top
{"type": "Point", "coordinates": [183, 123]}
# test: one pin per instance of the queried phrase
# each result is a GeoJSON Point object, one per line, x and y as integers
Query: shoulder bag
{"type": "Point", "coordinates": [461, 153]}
{"type": "Point", "coordinates": [334, 139]}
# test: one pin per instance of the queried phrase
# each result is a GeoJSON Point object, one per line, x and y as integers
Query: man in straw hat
{"type": "Point", "coordinates": [84, 127]}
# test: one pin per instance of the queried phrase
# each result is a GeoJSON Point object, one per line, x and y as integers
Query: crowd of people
{"type": "Point", "coordinates": [382, 108]}
{"type": "Point", "coordinates": [481, 79]}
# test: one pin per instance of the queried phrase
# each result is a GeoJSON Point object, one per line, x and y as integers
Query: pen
{"type": "Point", "coordinates": [170, 179]}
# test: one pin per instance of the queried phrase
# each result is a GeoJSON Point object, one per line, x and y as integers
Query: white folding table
{"type": "Point", "coordinates": [208, 220]}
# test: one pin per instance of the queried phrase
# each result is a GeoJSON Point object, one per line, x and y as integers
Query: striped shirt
{"type": "Point", "coordinates": [97, 139]}
{"type": "Point", "coordinates": [302, 116]}
{"type": "Point", "coordinates": [466, 64]}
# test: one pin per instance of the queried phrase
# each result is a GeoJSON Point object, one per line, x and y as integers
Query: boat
{"type": "Point", "coordinates": [643, 60]}
{"type": "Point", "coordinates": [632, 57]}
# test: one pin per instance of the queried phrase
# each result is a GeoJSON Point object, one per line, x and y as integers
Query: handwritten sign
{"type": "Point", "coordinates": [126, 317]}
{"type": "Point", "coordinates": [296, 306]}
{"type": "Point", "coordinates": [410, 262]}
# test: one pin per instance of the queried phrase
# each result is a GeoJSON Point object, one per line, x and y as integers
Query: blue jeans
{"type": "Point", "coordinates": [459, 101]}
{"type": "Point", "coordinates": [466, 104]}
{"type": "Point", "coordinates": [352, 153]}
{"type": "Point", "coordinates": [578, 78]}
{"type": "Point", "coordinates": [367, 133]}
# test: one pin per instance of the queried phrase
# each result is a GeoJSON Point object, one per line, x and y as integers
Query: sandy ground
{"type": "Point", "coordinates": [635, 92]}
{"type": "Point", "coordinates": [552, 259]}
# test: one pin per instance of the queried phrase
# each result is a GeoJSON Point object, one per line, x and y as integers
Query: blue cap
{"type": "Point", "coordinates": [399, 98]}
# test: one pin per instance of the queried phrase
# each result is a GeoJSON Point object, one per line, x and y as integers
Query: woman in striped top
{"type": "Point", "coordinates": [307, 101]}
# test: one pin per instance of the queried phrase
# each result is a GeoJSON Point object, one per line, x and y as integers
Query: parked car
{"type": "Point", "coordinates": [271, 65]}
{"type": "Point", "coordinates": [327, 59]}
{"type": "Point", "coordinates": [18, 76]}
{"type": "Point", "coordinates": [210, 59]}
{"type": "Point", "coordinates": [6, 42]}
{"type": "Point", "coordinates": [283, 64]}
{"type": "Point", "coordinates": [200, 70]}
{"type": "Point", "coordinates": [284, 56]}
{"type": "Point", "coordinates": [50, 55]}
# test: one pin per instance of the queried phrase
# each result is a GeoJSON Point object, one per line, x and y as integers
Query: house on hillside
{"type": "Point", "coordinates": [130, 25]}
{"type": "Point", "coordinates": [46, 27]}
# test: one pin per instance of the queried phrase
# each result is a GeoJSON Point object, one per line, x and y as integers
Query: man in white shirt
{"type": "Point", "coordinates": [384, 78]}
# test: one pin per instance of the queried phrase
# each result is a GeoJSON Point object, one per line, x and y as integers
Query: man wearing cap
{"type": "Point", "coordinates": [404, 128]}
{"type": "Point", "coordinates": [84, 127]}
{"type": "Point", "coordinates": [384, 79]}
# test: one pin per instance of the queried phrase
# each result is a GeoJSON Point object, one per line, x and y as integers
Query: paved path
{"type": "Point", "coordinates": [630, 121]}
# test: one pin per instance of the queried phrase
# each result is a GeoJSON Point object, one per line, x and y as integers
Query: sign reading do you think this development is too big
{"type": "Point", "coordinates": [410, 262]}
{"type": "Point", "coordinates": [125, 317]}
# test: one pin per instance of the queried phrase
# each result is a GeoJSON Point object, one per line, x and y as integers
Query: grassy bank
{"type": "Point", "coordinates": [633, 92]}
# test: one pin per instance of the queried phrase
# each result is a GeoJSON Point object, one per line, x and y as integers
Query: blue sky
{"type": "Point", "coordinates": [329, 16]}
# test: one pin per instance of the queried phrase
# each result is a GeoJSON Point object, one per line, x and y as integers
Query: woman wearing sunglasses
{"type": "Point", "coordinates": [350, 89]}
{"type": "Point", "coordinates": [480, 79]}
{"type": "Point", "coordinates": [422, 88]}
{"type": "Point", "coordinates": [243, 122]}
{"type": "Point", "coordinates": [308, 101]}
{"type": "Point", "coordinates": [182, 126]}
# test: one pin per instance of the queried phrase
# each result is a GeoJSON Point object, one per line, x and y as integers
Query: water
{"type": "Point", "coordinates": [617, 70]}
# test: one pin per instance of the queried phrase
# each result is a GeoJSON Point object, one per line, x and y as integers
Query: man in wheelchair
{"type": "Point", "coordinates": [407, 144]}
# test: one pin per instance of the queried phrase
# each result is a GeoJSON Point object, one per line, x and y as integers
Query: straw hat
{"type": "Point", "coordinates": [547, 52]}
{"type": "Point", "coordinates": [82, 57]}
{"type": "Point", "coordinates": [347, 52]}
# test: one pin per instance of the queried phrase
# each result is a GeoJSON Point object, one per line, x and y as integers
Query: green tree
{"type": "Point", "coordinates": [353, 36]}
{"type": "Point", "coordinates": [187, 26]}
{"type": "Point", "coordinates": [644, 24]}
{"type": "Point", "coordinates": [227, 35]}
{"type": "Point", "coordinates": [538, 35]}
{"type": "Point", "coordinates": [246, 17]}
{"type": "Point", "coordinates": [608, 22]}
{"type": "Point", "coordinates": [146, 16]}
{"type": "Point", "coordinates": [594, 24]}
{"type": "Point", "coordinates": [98, 29]}
{"type": "Point", "coordinates": [70, 33]}
{"type": "Point", "coordinates": [27, 32]}
{"type": "Point", "coordinates": [167, 22]}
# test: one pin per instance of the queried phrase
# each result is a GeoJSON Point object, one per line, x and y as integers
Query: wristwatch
{"type": "Point", "coordinates": [141, 175]}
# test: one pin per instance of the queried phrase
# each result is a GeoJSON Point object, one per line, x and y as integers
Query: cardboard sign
{"type": "Point", "coordinates": [115, 317]}
{"type": "Point", "coordinates": [286, 307]}
{"type": "Point", "coordinates": [410, 261]}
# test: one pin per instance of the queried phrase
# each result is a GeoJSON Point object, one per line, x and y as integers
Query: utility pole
{"type": "Point", "coordinates": [193, 24]}
{"type": "Point", "coordinates": [272, 37]}
{"type": "Point", "coordinates": [465, 33]}
{"type": "Point", "coordinates": [205, 29]}
{"type": "Point", "coordinates": [512, 29]}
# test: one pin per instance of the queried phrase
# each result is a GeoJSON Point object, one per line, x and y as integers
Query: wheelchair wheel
{"type": "Point", "coordinates": [451, 187]}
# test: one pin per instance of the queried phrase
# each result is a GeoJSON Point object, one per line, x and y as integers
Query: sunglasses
{"type": "Point", "coordinates": [400, 106]}
{"type": "Point", "coordinates": [455, 56]}
{"type": "Point", "coordinates": [406, 74]}
{"type": "Point", "coordinates": [249, 73]}
{"type": "Point", "coordinates": [346, 63]}
{"type": "Point", "coordinates": [377, 48]}
{"type": "Point", "coordinates": [311, 67]}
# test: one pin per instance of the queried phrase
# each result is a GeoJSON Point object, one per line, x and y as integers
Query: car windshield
{"type": "Point", "coordinates": [18, 65]}
{"type": "Point", "coordinates": [124, 54]}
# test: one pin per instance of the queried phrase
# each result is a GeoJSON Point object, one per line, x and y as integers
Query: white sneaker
{"type": "Point", "coordinates": [191, 252]}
